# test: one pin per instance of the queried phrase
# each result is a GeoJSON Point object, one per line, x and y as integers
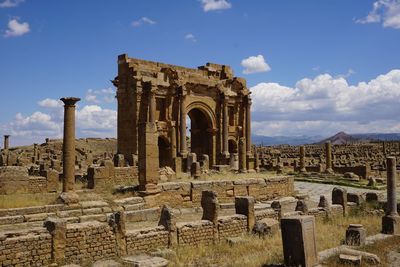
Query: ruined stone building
{"type": "Point", "coordinates": [217, 104]}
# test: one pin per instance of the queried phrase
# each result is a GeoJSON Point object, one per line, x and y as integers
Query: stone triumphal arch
{"type": "Point", "coordinates": [216, 103]}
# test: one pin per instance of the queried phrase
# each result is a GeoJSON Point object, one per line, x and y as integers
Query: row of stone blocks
{"type": "Point", "coordinates": [62, 242]}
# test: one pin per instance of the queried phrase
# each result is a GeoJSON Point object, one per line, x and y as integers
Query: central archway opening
{"type": "Point", "coordinates": [200, 139]}
{"type": "Point", "coordinates": [164, 152]}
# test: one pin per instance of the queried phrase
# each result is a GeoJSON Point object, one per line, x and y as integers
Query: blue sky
{"type": "Point", "coordinates": [314, 67]}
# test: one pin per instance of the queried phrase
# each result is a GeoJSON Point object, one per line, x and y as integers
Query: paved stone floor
{"type": "Point", "coordinates": [315, 190]}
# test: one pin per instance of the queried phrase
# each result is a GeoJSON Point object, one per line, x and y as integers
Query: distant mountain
{"type": "Point", "coordinates": [284, 140]}
{"type": "Point", "coordinates": [378, 136]}
{"type": "Point", "coordinates": [340, 138]}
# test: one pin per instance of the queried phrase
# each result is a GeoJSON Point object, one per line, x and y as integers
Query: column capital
{"type": "Point", "coordinates": [70, 101]}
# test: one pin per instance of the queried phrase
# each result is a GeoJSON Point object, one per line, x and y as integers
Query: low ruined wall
{"type": "Point", "coordinates": [231, 226]}
{"type": "Point", "coordinates": [88, 242]}
{"type": "Point", "coordinates": [194, 233]}
{"type": "Point", "coordinates": [26, 249]}
{"type": "Point", "coordinates": [188, 194]}
{"type": "Point", "coordinates": [106, 174]}
{"type": "Point", "coordinates": [16, 180]}
{"type": "Point", "coordinates": [143, 240]}
{"type": "Point", "coordinates": [362, 171]}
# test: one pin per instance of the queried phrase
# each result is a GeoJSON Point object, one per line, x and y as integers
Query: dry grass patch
{"type": "Point", "coordinates": [27, 200]}
{"type": "Point", "coordinates": [331, 233]}
{"type": "Point", "coordinates": [382, 249]}
{"type": "Point", "coordinates": [258, 252]}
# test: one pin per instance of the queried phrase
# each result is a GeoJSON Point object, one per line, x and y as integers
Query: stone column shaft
{"type": "Point", "coordinates": [302, 159]}
{"type": "Point", "coordinates": [182, 110]}
{"type": "Point", "coordinates": [152, 105]}
{"type": "Point", "coordinates": [391, 187]}
{"type": "Point", "coordinates": [242, 155]}
{"type": "Point", "coordinates": [6, 142]}
{"type": "Point", "coordinates": [69, 144]}
{"type": "Point", "coordinates": [225, 149]}
{"type": "Point", "coordinates": [328, 155]}
{"type": "Point", "coordinates": [248, 126]}
{"type": "Point", "coordinates": [173, 140]}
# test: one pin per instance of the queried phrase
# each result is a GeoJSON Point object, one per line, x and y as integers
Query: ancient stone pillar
{"type": "Point", "coordinates": [68, 195]}
{"type": "Point", "coordinates": [339, 196]}
{"type": "Point", "coordinates": [298, 238]}
{"type": "Point", "coordinates": [6, 141]}
{"type": "Point", "coordinates": [328, 156]}
{"type": "Point", "coordinates": [302, 159]}
{"type": "Point", "coordinates": [384, 148]}
{"type": "Point", "coordinates": [248, 126]}
{"type": "Point", "coordinates": [57, 229]}
{"type": "Point", "coordinates": [152, 104]}
{"type": "Point", "coordinates": [391, 220]}
{"type": "Point", "coordinates": [118, 223]}
{"type": "Point", "coordinates": [35, 152]}
{"type": "Point", "coordinates": [148, 158]}
{"type": "Point", "coordinates": [182, 111]}
{"type": "Point", "coordinates": [245, 206]}
{"type": "Point", "coordinates": [168, 220]}
{"type": "Point", "coordinates": [173, 139]}
{"type": "Point", "coordinates": [225, 149]}
{"type": "Point", "coordinates": [242, 155]}
{"type": "Point", "coordinates": [210, 205]}
{"type": "Point", "coordinates": [256, 160]}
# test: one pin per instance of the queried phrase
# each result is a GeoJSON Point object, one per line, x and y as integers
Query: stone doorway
{"type": "Point", "coordinates": [164, 152]}
{"type": "Point", "coordinates": [200, 133]}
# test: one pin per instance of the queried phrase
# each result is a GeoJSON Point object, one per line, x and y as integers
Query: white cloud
{"type": "Point", "coordinates": [10, 3]}
{"type": "Point", "coordinates": [327, 104]}
{"type": "Point", "coordinates": [143, 20]}
{"type": "Point", "coordinates": [91, 121]}
{"type": "Point", "coordinates": [211, 5]}
{"type": "Point", "coordinates": [347, 74]}
{"type": "Point", "coordinates": [190, 37]}
{"type": "Point", "coordinates": [50, 103]}
{"type": "Point", "coordinates": [106, 95]}
{"type": "Point", "coordinates": [255, 64]}
{"type": "Point", "coordinates": [385, 11]}
{"type": "Point", "coordinates": [16, 29]}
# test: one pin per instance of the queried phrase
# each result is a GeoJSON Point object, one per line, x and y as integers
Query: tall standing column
{"type": "Point", "coordinates": [182, 109]}
{"type": "Point", "coordinates": [6, 141]}
{"type": "Point", "coordinates": [242, 155]}
{"type": "Point", "coordinates": [152, 104]}
{"type": "Point", "coordinates": [391, 220]}
{"type": "Point", "coordinates": [328, 156]}
{"type": "Point", "coordinates": [302, 159]}
{"type": "Point", "coordinates": [68, 195]}
{"type": "Point", "coordinates": [225, 149]}
{"type": "Point", "coordinates": [248, 125]}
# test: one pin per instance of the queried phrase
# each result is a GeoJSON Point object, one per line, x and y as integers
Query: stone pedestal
{"type": "Point", "coordinates": [339, 196]}
{"type": "Point", "coordinates": [148, 159]}
{"type": "Point", "coordinates": [245, 206]}
{"type": "Point", "coordinates": [195, 170]}
{"type": "Point", "coordinates": [355, 235]}
{"type": "Point", "coordinates": [210, 205]}
{"type": "Point", "coordinates": [299, 245]}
